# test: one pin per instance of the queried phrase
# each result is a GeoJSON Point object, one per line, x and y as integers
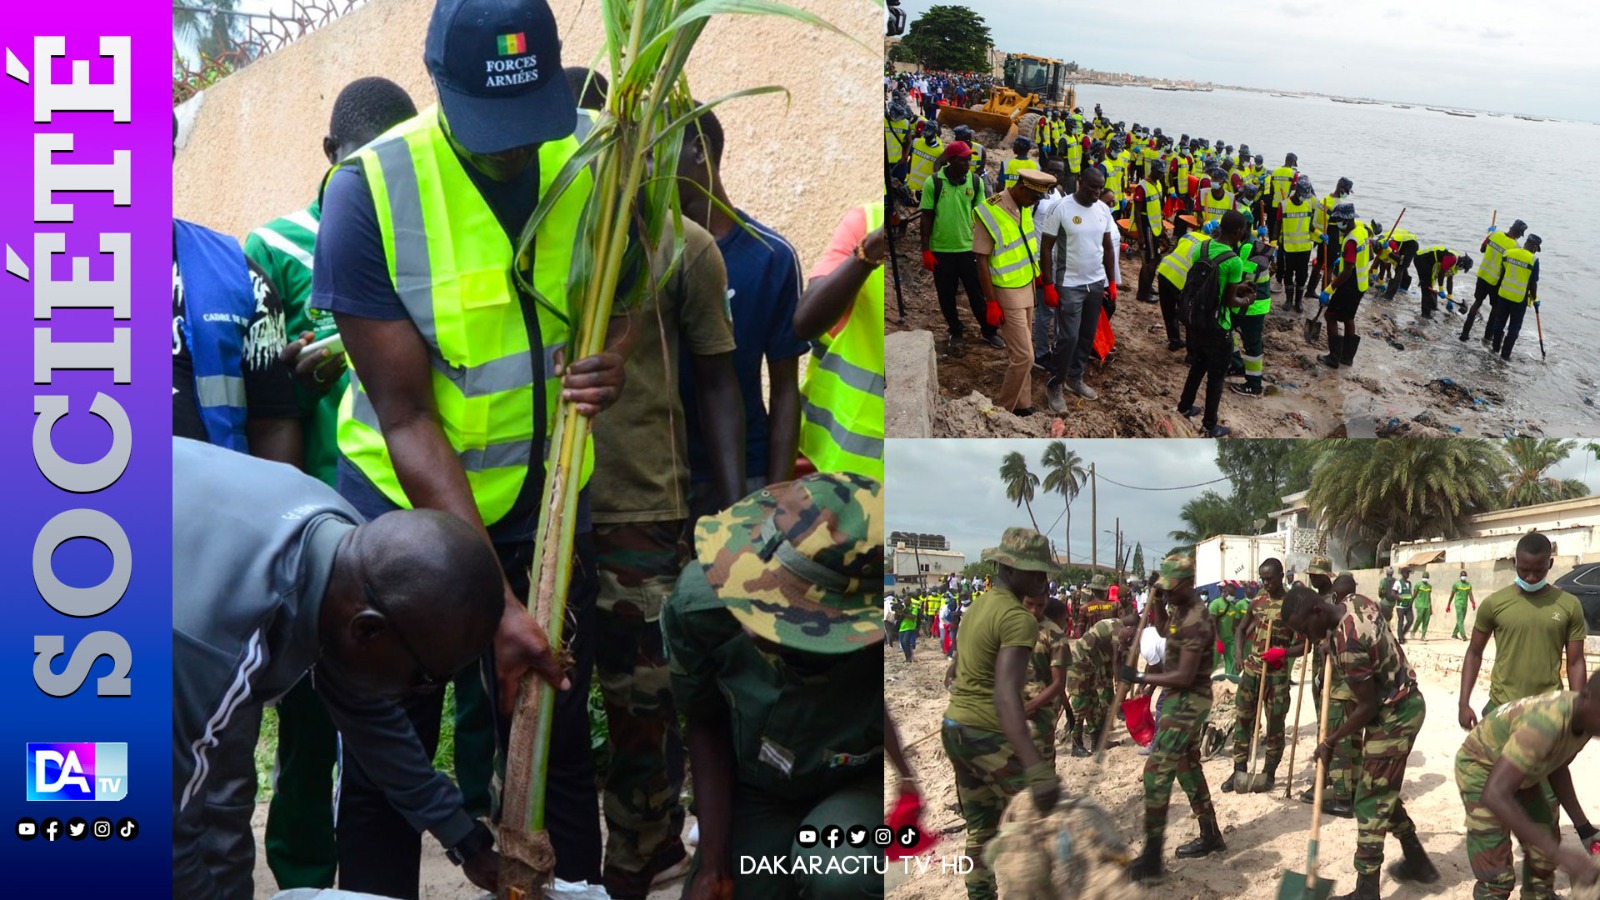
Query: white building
{"type": "Point", "coordinates": [1573, 526]}
{"type": "Point", "coordinates": [923, 558]}
{"type": "Point", "coordinates": [1234, 557]}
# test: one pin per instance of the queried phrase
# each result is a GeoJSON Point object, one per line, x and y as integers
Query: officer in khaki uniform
{"type": "Point", "coordinates": [985, 734]}
{"type": "Point", "coordinates": [1340, 794]}
{"type": "Point", "coordinates": [769, 624]}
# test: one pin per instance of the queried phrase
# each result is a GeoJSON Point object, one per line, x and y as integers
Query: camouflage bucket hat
{"type": "Point", "coordinates": [1174, 569]}
{"type": "Point", "coordinates": [801, 563]}
{"type": "Point", "coordinates": [1025, 549]}
{"type": "Point", "coordinates": [1099, 583]}
{"type": "Point", "coordinates": [1320, 565]}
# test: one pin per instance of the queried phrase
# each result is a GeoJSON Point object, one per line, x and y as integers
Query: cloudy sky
{"type": "Point", "coordinates": [953, 488]}
{"type": "Point", "coordinates": [1533, 58]}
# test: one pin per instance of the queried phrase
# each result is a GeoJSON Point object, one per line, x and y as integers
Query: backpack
{"type": "Point", "coordinates": [1200, 305]}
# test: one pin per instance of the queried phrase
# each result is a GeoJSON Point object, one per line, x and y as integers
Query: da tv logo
{"type": "Point", "coordinates": [77, 771]}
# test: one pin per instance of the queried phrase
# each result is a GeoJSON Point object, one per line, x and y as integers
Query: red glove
{"type": "Point", "coordinates": [1274, 657]}
{"type": "Point", "coordinates": [1220, 648]}
{"type": "Point", "coordinates": [993, 315]}
{"type": "Point", "coordinates": [908, 812]}
{"type": "Point", "coordinates": [1111, 291]}
{"type": "Point", "coordinates": [1052, 297]}
{"type": "Point", "coordinates": [929, 261]}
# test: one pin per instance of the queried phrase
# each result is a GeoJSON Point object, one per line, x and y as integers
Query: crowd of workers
{"type": "Point", "coordinates": [1035, 241]}
{"type": "Point", "coordinates": [1026, 653]}
{"type": "Point", "coordinates": [363, 403]}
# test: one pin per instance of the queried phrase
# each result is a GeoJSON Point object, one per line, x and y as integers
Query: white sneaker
{"type": "Point", "coordinates": [694, 835]}
{"type": "Point", "coordinates": [577, 890]}
{"type": "Point", "coordinates": [1077, 386]}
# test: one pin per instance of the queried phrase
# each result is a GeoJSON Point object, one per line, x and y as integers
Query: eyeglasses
{"type": "Point", "coordinates": [425, 680]}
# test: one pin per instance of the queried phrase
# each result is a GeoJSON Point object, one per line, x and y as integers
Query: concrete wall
{"type": "Point", "coordinates": [254, 150]}
{"type": "Point", "coordinates": [1487, 576]}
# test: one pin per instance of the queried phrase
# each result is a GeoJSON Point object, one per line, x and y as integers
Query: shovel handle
{"type": "Point", "coordinates": [1122, 689]}
{"type": "Point", "coordinates": [1299, 702]}
{"type": "Point", "coordinates": [1322, 772]}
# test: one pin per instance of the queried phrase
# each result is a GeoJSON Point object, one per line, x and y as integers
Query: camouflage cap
{"type": "Point", "coordinates": [1099, 583]}
{"type": "Point", "coordinates": [801, 563]}
{"type": "Point", "coordinates": [1174, 569]}
{"type": "Point", "coordinates": [1320, 565]}
{"type": "Point", "coordinates": [1025, 549]}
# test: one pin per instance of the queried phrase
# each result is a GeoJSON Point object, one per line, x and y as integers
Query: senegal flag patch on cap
{"type": "Point", "coordinates": [512, 44]}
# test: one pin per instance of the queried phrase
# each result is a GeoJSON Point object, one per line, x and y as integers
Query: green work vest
{"type": "Point", "coordinates": [1258, 275]}
{"type": "Point", "coordinates": [841, 399]}
{"type": "Point", "coordinates": [450, 262]}
{"type": "Point", "coordinates": [1175, 265]}
{"type": "Point", "coordinates": [1518, 272]}
{"type": "Point", "coordinates": [1296, 226]}
{"type": "Point", "coordinates": [1212, 207]}
{"type": "Point", "coordinates": [894, 135]}
{"type": "Point", "coordinates": [1493, 253]}
{"type": "Point", "coordinates": [924, 153]}
{"type": "Point", "coordinates": [1015, 261]}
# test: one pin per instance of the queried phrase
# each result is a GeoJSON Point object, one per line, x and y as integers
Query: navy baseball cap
{"type": "Point", "coordinates": [497, 67]}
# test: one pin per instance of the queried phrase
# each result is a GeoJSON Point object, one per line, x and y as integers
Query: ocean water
{"type": "Point", "coordinates": [1450, 174]}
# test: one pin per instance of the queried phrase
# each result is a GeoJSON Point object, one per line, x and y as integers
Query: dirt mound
{"type": "Point", "coordinates": [1074, 853]}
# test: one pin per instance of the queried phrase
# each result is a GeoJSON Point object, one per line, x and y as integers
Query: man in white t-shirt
{"type": "Point", "coordinates": [1077, 236]}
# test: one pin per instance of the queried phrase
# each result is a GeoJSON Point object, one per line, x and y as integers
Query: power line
{"type": "Point", "coordinates": [1182, 487]}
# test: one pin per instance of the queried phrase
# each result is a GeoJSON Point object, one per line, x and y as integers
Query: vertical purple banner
{"type": "Point", "coordinates": [85, 545]}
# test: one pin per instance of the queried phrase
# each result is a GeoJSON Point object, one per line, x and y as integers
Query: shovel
{"type": "Point", "coordinates": [1295, 886]}
{"type": "Point", "coordinates": [1122, 689]}
{"type": "Point", "coordinates": [1299, 701]}
{"type": "Point", "coordinates": [1256, 781]}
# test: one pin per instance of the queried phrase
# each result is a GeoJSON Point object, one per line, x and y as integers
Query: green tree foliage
{"type": "Point", "coordinates": [1527, 461]}
{"type": "Point", "coordinates": [949, 37]}
{"type": "Point", "coordinates": [1384, 492]}
{"type": "Point", "coordinates": [1138, 568]}
{"type": "Point", "coordinates": [1064, 474]}
{"type": "Point", "coordinates": [1208, 515]}
{"type": "Point", "coordinates": [205, 23]}
{"type": "Point", "coordinates": [1020, 483]}
{"type": "Point", "coordinates": [1262, 472]}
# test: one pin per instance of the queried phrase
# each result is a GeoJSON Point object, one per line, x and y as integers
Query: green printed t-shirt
{"type": "Point", "coordinates": [997, 620]}
{"type": "Point", "coordinates": [1460, 591]}
{"type": "Point", "coordinates": [1424, 594]}
{"type": "Point", "coordinates": [1229, 274]}
{"type": "Point", "coordinates": [1530, 632]}
{"type": "Point", "coordinates": [1534, 733]}
{"type": "Point", "coordinates": [953, 218]}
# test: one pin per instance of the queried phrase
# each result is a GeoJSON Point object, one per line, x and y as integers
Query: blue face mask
{"type": "Point", "coordinates": [1532, 588]}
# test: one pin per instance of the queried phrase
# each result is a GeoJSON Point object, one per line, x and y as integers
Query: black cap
{"type": "Point", "coordinates": [1534, 240]}
{"type": "Point", "coordinates": [497, 67]}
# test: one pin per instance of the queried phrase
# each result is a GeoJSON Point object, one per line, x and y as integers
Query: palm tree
{"type": "Point", "coordinates": [1383, 492]}
{"type": "Point", "coordinates": [1206, 516]}
{"type": "Point", "coordinates": [1064, 474]}
{"type": "Point", "coordinates": [1527, 461]}
{"type": "Point", "coordinates": [1019, 482]}
{"type": "Point", "coordinates": [204, 22]}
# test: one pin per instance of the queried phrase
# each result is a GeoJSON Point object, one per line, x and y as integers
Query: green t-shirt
{"type": "Point", "coordinates": [1460, 591]}
{"type": "Point", "coordinates": [1530, 632]}
{"type": "Point", "coordinates": [1424, 594]}
{"type": "Point", "coordinates": [995, 621]}
{"type": "Point", "coordinates": [1534, 733]}
{"type": "Point", "coordinates": [283, 249]}
{"type": "Point", "coordinates": [690, 315]}
{"type": "Point", "coordinates": [952, 220]}
{"type": "Point", "coordinates": [1229, 274]}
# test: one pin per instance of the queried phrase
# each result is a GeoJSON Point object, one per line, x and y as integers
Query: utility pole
{"type": "Point", "coordinates": [1119, 548]}
{"type": "Point", "coordinates": [1094, 521]}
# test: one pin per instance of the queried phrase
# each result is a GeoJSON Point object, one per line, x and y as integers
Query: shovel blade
{"type": "Point", "coordinates": [1293, 887]}
{"type": "Point", "coordinates": [1313, 330]}
{"type": "Point", "coordinates": [1255, 783]}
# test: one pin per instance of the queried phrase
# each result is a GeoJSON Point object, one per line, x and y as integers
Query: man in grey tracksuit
{"type": "Point", "coordinates": [275, 579]}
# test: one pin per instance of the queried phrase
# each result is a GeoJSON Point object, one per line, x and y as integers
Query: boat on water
{"type": "Point", "coordinates": [1435, 109]}
{"type": "Point", "coordinates": [1399, 106]}
{"type": "Point", "coordinates": [1283, 95]}
{"type": "Point", "coordinates": [1531, 119]}
{"type": "Point", "coordinates": [1451, 112]}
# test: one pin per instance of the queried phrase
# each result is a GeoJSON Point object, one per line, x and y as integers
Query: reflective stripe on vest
{"type": "Point", "coordinates": [1212, 207]}
{"type": "Point", "coordinates": [1014, 262]}
{"type": "Point", "coordinates": [1282, 178]}
{"type": "Point", "coordinates": [841, 399]}
{"type": "Point", "coordinates": [1075, 157]}
{"type": "Point", "coordinates": [1499, 244]}
{"type": "Point", "coordinates": [1152, 206]}
{"type": "Point", "coordinates": [1114, 170]}
{"type": "Point", "coordinates": [894, 135]}
{"type": "Point", "coordinates": [451, 264]}
{"type": "Point", "coordinates": [1518, 273]}
{"type": "Point", "coordinates": [1363, 241]}
{"type": "Point", "coordinates": [218, 301]}
{"type": "Point", "coordinates": [1175, 265]}
{"type": "Point", "coordinates": [923, 156]}
{"type": "Point", "coordinates": [1296, 226]}
{"type": "Point", "coordinates": [1008, 172]}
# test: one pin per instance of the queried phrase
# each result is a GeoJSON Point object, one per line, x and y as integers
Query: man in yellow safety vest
{"type": "Point", "coordinates": [1494, 248]}
{"type": "Point", "coordinates": [1519, 286]}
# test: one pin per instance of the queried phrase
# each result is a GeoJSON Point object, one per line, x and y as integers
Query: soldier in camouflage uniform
{"type": "Point", "coordinates": [1388, 713]}
{"type": "Point", "coordinates": [1095, 604]}
{"type": "Point", "coordinates": [767, 636]}
{"type": "Point", "coordinates": [1045, 692]}
{"type": "Point", "coordinates": [1502, 771]}
{"type": "Point", "coordinates": [1186, 675]}
{"type": "Point", "coordinates": [1091, 678]}
{"type": "Point", "coordinates": [1268, 646]}
{"type": "Point", "coordinates": [985, 734]}
{"type": "Point", "coordinates": [1339, 798]}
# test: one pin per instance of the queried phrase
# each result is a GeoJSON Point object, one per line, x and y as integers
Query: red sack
{"type": "Point", "coordinates": [1141, 724]}
{"type": "Point", "coordinates": [1104, 340]}
{"type": "Point", "coordinates": [908, 811]}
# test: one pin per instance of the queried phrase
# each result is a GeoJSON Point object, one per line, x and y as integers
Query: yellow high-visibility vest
{"type": "Point", "coordinates": [1296, 226]}
{"type": "Point", "coordinates": [1015, 260]}
{"type": "Point", "coordinates": [841, 398]}
{"type": "Point", "coordinates": [1499, 245]}
{"type": "Point", "coordinates": [894, 136]}
{"type": "Point", "coordinates": [1518, 274]}
{"type": "Point", "coordinates": [451, 264]}
{"type": "Point", "coordinates": [1212, 207]}
{"type": "Point", "coordinates": [1011, 171]}
{"type": "Point", "coordinates": [924, 153]}
{"type": "Point", "coordinates": [1175, 265]}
